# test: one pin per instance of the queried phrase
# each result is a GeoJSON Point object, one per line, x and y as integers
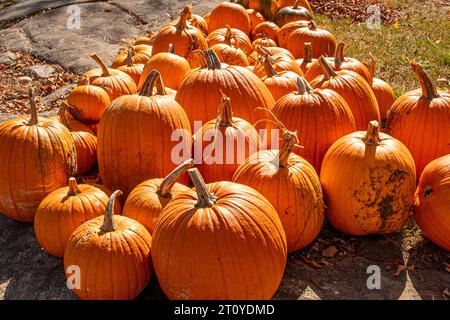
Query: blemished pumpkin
{"type": "Point", "coordinates": [171, 67]}
{"type": "Point", "coordinates": [132, 69]}
{"type": "Point", "coordinates": [421, 120]}
{"type": "Point", "coordinates": [112, 256]}
{"type": "Point", "coordinates": [354, 89]}
{"type": "Point", "coordinates": [226, 228]}
{"type": "Point", "coordinates": [286, 3]}
{"type": "Point", "coordinates": [135, 136]}
{"type": "Point", "coordinates": [369, 180]}
{"type": "Point", "coordinates": [296, 12]}
{"type": "Point", "coordinates": [382, 90]}
{"type": "Point", "coordinates": [149, 198]}
{"type": "Point", "coordinates": [242, 41]}
{"type": "Point", "coordinates": [266, 29]}
{"type": "Point", "coordinates": [306, 62]}
{"type": "Point", "coordinates": [115, 82]}
{"type": "Point", "coordinates": [278, 83]}
{"type": "Point", "coordinates": [223, 143]}
{"type": "Point", "coordinates": [228, 13]}
{"type": "Point", "coordinates": [229, 53]}
{"type": "Point", "coordinates": [291, 184]}
{"type": "Point", "coordinates": [64, 210]}
{"type": "Point", "coordinates": [202, 88]}
{"type": "Point", "coordinates": [37, 156]}
{"type": "Point", "coordinates": [287, 29]}
{"type": "Point", "coordinates": [140, 54]}
{"type": "Point", "coordinates": [319, 117]}
{"type": "Point", "coordinates": [432, 202]}
{"type": "Point", "coordinates": [322, 41]}
{"type": "Point", "coordinates": [267, 7]}
{"type": "Point", "coordinates": [255, 18]}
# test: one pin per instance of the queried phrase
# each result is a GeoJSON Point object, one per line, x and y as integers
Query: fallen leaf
{"type": "Point", "coordinates": [446, 292]}
{"type": "Point", "coordinates": [330, 252]}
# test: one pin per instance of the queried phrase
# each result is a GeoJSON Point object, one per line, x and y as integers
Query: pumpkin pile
{"type": "Point", "coordinates": [228, 139]}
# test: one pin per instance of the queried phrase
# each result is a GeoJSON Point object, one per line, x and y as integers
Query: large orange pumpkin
{"type": "Point", "coordinates": [135, 137]}
{"type": "Point", "coordinates": [228, 13]}
{"type": "Point", "coordinates": [110, 255]}
{"type": "Point", "coordinates": [296, 12]}
{"type": "Point", "coordinates": [287, 29]}
{"type": "Point", "coordinates": [229, 53]}
{"type": "Point", "coordinates": [322, 41]}
{"type": "Point", "coordinates": [354, 89]}
{"type": "Point", "coordinates": [421, 120]}
{"type": "Point", "coordinates": [233, 244]}
{"type": "Point", "coordinates": [266, 29]}
{"type": "Point", "coordinates": [278, 83]}
{"type": "Point", "coordinates": [382, 90]}
{"type": "Point", "coordinates": [37, 156]}
{"type": "Point", "coordinates": [227, 34]}
{"type": "Point", "coordinates": [255, 18]}
{"type": "Point", "coordinates": [369, 180]}
{"type": "Point", "coordinates": [432, 202]}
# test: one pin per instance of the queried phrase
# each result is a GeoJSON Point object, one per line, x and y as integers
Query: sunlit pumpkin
{"type": "Point", "coordinates": [278, 83]}
{"type": "Point", "coordinates": [322, 41]}
{"type": "Point", "coordinates": [296, 12]}
{"type": "Point", "coordinates": [266, 29]}
{"type": "Point", "coordinates": [222, 35]}
{"type": "Point", "coordinates": [132, 69]}
{"type": "Point", "coordinates": [286, 30]}
{"type": "Point", "coordinates": [307, 61]}
{"type": "Point", "coordinates": [228, 13]}
{"type": "Point", "coordinates": [140, 54]}
{"type": "Point", "coordinates": [382, 90]}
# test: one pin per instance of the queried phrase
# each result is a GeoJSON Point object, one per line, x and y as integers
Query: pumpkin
{"type": "Point", "coordinates": [230, 54]}
{"type": "Point", "coordinates": [232, 14]}
{"type": "Point", "coordinates": [149, 198]}
{"type": "Point", "coordinates": [207, 17]}
{"type": "Point", "coordinates": [115, 82]}
{"type": "Point", "coordinates": [264, 42]}
{"type": "Point", "coordinates": [319, 117]}
{"type": "Point", "coordinates": [242, 41]}
{"type": "Point", "coordinates": [147, 40]}
{"type": "Point", "coordinates": [255, 18]}
{"type": "Point", "coordinates": [37, 156]}
{"type": "Point", "coordinates": [140, 54]}
{"type": "Point", "coordinates": [322, 41]}
{"type": "Point", "coordinates": [287, 29]}
{"type": "Point", "coordinates": [87, 103]}
{"type": "Point", "coordinates": [202, 88]}
{"type": "Point", "coordinates": [306, 62]}
{"type": "Point", "coordinates": [369, 180]}
{"type": "Point", "coordinates": [281, 62]}
{"type": "Point", "coordinates": [64, 210]}
{"type": "Point", "coordinates": [226, 228]}
{"type": "Point", "coordinates": [112, 255]}
{"type": "Point", "coordinates": [354, 89]}
{"type": "Point", "coordinates": [196, 21]}
{"type": "Point", "coordinates": [421, 120]}
{"type": "Point", "coordinates": [290, 183]}
{"type": "Point", "coordinates": [223, 143]}
{"type": "Point", "coordinates": [266, 29]}
{"type": "Point", "coordinates": [285, 3]}
{"type": "Point", "coordinates": [340, 62]}
{"type": "Point", "coordinates": [278, 83]}
{"type": "Point", "coordinates": [184, 37]}
{"type": "Point", "coordinates": [293, 13]}
{"type": "Point", "coordinates": [135, 136]}
{"type": "Point", "coordinates": [267, 7]}
{"type": "Point", "coordinates": [132, 69]}
{"type": "Point", "coordinates": [432, 202]}
{"type": "Point", "coordinates": [171, 67]}
{"type": "Point", "coordinates": [382, 90]}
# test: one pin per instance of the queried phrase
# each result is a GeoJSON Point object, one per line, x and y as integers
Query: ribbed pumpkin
{"type": "Point", "coordinates": [322, 41]}
{"type": "Point", "coordinates": [280, 62]}
{"type": "Point", "coordinates": [285, 3]}
{"type": "Point", "coordinates": [255, 18]}
{"type": "Point", "coordinates": [115, 82]}
{"type": "Point", "coordinates": [196, 21]}
{"type": "Point", "coordinates": [290, 183]}
{"type": "Point", "coordinates": [267, 7]}
{"type": "Point", "coordinates": [223, 143]}
{"type": "Point", "coordinates": [140, 54]}
{"type": "Point", "coordinates": [278, 83]}
{"type": "Point", "coordinates": [354, 89]}
{"type": "Point", "coordinates": [369, 180]}
{"type": "Point", "coordinates": [37, 156]}
{"type": "Point", "coordinates": [287, 29]}
{"type": "Point", "coordinates": [319, 117]}
{"type": "Point", "coordinates": [306, 62]}
{"type": "Point", "coordinates": [201, 89]}
{"type": "Point", "coordinates": [229, 53]}
{"type": "Point", "coordinates": [264, 42]}
{"type": "Point", "coordinates": [266, 29]}
{"type": "Point", "coordinates": [172, 68]}
{"type": "Point", "coordinates": [132, 69]}
{"type": "Point", "coordinates": [340, 62]}
{"type": "Point", "coordinates": [149, 198]}
{"type": "Point", "coordinates": [134, 137]}
{"type": "Point", "coordinates": [64, 210]}
{"type": "Point", "coordinates": [224, 35]}
{"type": "Point", "coordinates": [184, 37]}
{"type": "Point", "coordinates": [87, 103]}
{"type": "Point", "coordinates": [421, 120]}
{"type": "Point", "coordinates": [382, 90]}
{"type": "Point", "coordinates": [147, 39]}
{"type": "Point", "coordinates": [226, 228]}
{"type": "Point", "coordinates": [232, 14]}
{"type": "Point", "coordinates": [112, 254]}
{"type": "Point", "coordinates": [296, 12]}
{"type": "Point", "coordinates": [432, 202]}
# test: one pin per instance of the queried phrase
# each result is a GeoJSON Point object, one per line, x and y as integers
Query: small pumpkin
{"type": "Point", "coordinates": [255, 18]}
{"type": "Point", "coordinates": [266, 29]}
{"type": "Point", "coordinates": [222, 35]}
{"type": "Point", "coordinates": [306, 62]}
{"type": "Point", "coordinates": [140, 54]}
{"type": "Point", "coordinates": [147, 39]}
{"type": "Point", "coordinates": [287, 29]}
{"type": "Point", "coordinates": [322, 41]}
{"type": "Point", "coordinates": [293, 13]}
{"type": "Point", "coordinates": [382, 90]}
{"type": "Point", "coordinates": [229, 53]}
{"type": "Point", "coordinates": [432, 202]}
{"type": "Point", "coordinates": [228, 227]}
{"type": "Point", "coordinates": [369, 180]}
{"type": "Point", "coordinates": [278, 83]}
{"type": "Point", "coordinates": [228, 13]}
{"type": "Point", "coordinates": [133, 70]}
{"type": "Point", "coordinates": [112, 255]}
{"type": "Point", "coordinates": [264, 42]}
{"type": "Point", "coordinates": [280, 62]}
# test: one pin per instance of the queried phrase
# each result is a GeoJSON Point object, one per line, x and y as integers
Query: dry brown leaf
{"type": "Point", "coordinates": [330, 252]}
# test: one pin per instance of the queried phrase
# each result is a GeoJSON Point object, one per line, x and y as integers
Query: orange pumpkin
{"type": "Point", "coordinates": [322, 41]}
{"type": "Point", "coordinates": [382, 90]}
{"type": "Point", "coordinates": [228, 13]}
{"type": "Point", "coordinates": [293, 13]}
{"type": "Point", "coordinates": [354, 89]}
{"type": "Point", "coordinates": [281, 62]}
{"type": "Point", "coordinates": [229, 53]}
{"type": "Point", "coordinates": [149, 198]}
{"type": "Point", "coordinates": [319, 117]}
{"type": "Point", "coordinates": [227, 227]}
{"type": "Point", "coordinates": [278, 83]}
{"type": "Point", "coordinates": [306, 62]}
{"type": "Point", "coordinates": [135, 136]}
{"type": "Point", "coordinates": [287, 29]}
{"type": "Point", "coordinates": [147, 40]}
{"type": "Point", "coordinates": [196, 21]}
{"type": "Point", "coordinates": [285, 3]}
{"type": "Point", "coordinates": [140, 54]}
{"type": "Point", "coordinates": [264, 42]}
{"type": "Point", "coordinates": [242, 41]}
{"type": "Point", "coordinates": [369, 180]}
{"type": "Point", "coordinates": [37, 156]}
{"type": "Point", "coordinates": [432, 202]}
{"type": "Point", "coordinates": [421, 120]}
{"type": "Point", "coordinates": [266, 29]}
{"type": "Point", "coordinates": [290, 183]}
{"type": "Point", "coordinates": [267, 7]}
{"type": "Point", "coordinates": [132, 69]}
{"type": "Point", "coordinates": [111, 255]}
{"type": "Point", "coordinates": [255, 18]}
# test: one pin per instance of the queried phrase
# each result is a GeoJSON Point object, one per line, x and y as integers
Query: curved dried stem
{"type": "Point", "coordinates": [205, 199]}
{"type": "Point", "coordinates": [34, 115]}
{"type": "Point", "coordinates": [105, 70]}
{"type": "Point", "coordinates": [428, 88]}
{"type": "Point", "coordinates": [108, 220]}
{"type": "Point", "coordinates": [166, 186]}
{"type": "Point", "coordinates": [153, 79]}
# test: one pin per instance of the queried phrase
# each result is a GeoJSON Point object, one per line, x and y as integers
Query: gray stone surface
{"type": "Point", "coordinates": [7, 58]}
{"type": "Point", "coordinates": [60, 93]}
{"type": "Point", "coordinates": [41, 71]}
{"type": "Point", "coordinates": [24, 79]}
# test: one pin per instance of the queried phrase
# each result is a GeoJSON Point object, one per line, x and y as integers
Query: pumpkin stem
{"type": "Point", "coordinates": [373, 65]}
{"type": "Point", "coordinates": [228, 35]}
{"type": "Point", "coordinates": [34, 115]}
{"type": "Point", "coordinates": [290, 140]}
{"type": "Point", "coordinates": [130, 57]}
{"type": "Point", "coordinates": [186, 14]}
{"type": "Point", "coordinates": [327, 70]}
{"type": "Point", "coordinates": [225, 111]}
{"type": "Point", "coordinates": [153, 79]}
{"type": "Point", "coordinates": [105, 71]}
{"type": "Point", "coordinates": [108, 220]}
{"type": "Point", "coordinates": [166, 186]}
{"type": "Point", "coordinates": [428, 89]}
{"type": "Point", "coordinates": [171, 48]}
{"type": "Point", "coordinates": [73, 187]}
{"type": "Point", "coordinates": [268, 67]}
{"type": "Point", "coordinates": [339, 57]}
{"type": "Point", "coordinates": [312, 25]}
{"type": "Point", "coordinates": [308, 52]}
{"type": "Point", "coordinates": [296, 4]}
{"type": "Point", "coordinates": [303, 86]}
{"type": "Point", "coordinates": [205, 199]}
{"type": "Point", "coordinates": [212, 60]}
{"type": "Point", "coordinates": [373, 133]}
